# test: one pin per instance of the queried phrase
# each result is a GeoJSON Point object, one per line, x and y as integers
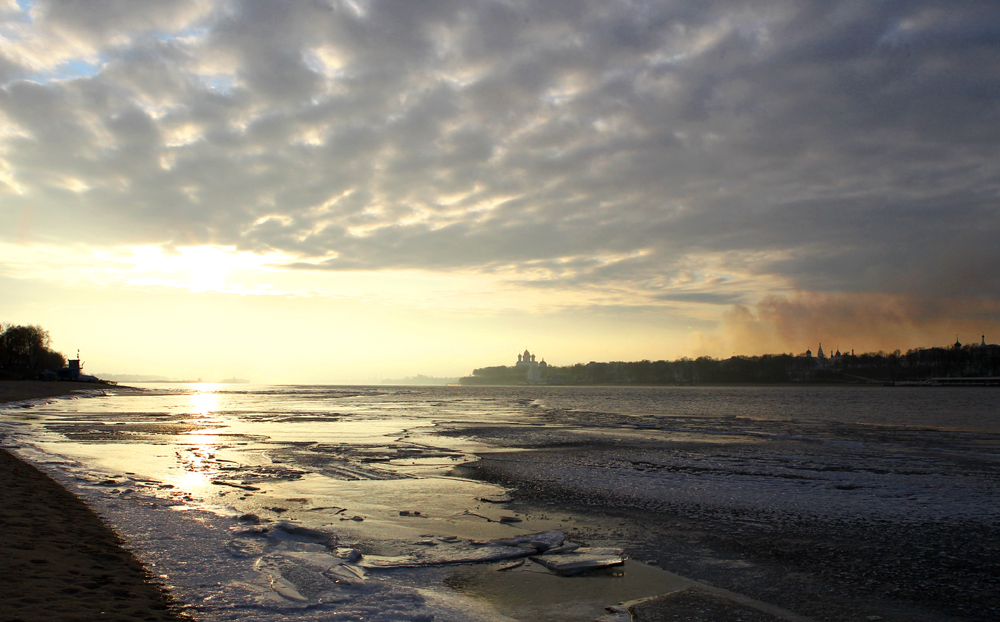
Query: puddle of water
{"type": "Point", "coordinates": [530, 592]}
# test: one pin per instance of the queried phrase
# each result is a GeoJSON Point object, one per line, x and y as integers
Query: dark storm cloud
{"type": "Point", "coordinates": [849, 146]}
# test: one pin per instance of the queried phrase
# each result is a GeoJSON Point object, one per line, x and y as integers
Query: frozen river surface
{"type": "Point", "coordinates": [345, 503]}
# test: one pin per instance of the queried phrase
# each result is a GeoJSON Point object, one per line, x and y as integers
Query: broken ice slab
{"type": "Point", "coordinates": [350, 554]}
{"type": "Point", "coordinates": [569, 547]}
{"type": "Point", "coordinates": [290, 531]}
{"type": "Point", "coordinates": [445, 554]}
{"type": "Point", "coordinates": [310, 576]}
{"type": "Point", "coordinates": [348, 571]}
{"type": "Point", "coordinates": [542, 541]}
{"type": "Point", "coordinates": [511, 565]}
{"type": "Point", "coordinates": [581, 560]}
{"type": "Point", "coordinates": [222, 482]}
{"type": "Point", "coordinates": [465, 552]}
{"type": "Point", "coordinates": [497, 498]}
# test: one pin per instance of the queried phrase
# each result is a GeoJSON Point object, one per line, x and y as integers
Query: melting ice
{"type": "Point", "coordinates": [342, 503]}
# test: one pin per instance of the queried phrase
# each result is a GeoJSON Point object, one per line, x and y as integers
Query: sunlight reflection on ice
{"type": "Point", "coordinates": [198, 462]}
{"type": "Point", "coordinates": [205, 400]}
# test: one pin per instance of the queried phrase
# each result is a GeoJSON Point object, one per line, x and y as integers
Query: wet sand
{"type": "Point", "coordinates": [60, 562]}
{"type": "Point", "coordinates": [19, 390]}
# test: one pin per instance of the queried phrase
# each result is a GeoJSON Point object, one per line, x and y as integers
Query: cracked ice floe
{"type": "Point", "coordinates": [312, 576]}
{"type": "Point", "coordinates": [258, 540]}
{"type": "Point", "coordinates": [304, 573]}
{"type": "Point", "coordinates": [308, 579]}
{"type": "Point", "coordinates": [582, 559]}
{"type": "Point", "coordinates": [451, 551]}
{"type": "Point", "coordinates": [290, 531]}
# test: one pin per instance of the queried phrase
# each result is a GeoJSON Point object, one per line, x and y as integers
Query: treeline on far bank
{"type": "Point", "coordinates": [915, 365]}
{"type": "Point", "coordinates": [25, 353]}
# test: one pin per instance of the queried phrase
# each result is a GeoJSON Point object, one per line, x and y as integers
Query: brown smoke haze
{"type": "Point", "coordinates": [862, 322]}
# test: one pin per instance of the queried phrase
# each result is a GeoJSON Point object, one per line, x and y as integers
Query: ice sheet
{"type": "Point", "coordinates": [332, 472]}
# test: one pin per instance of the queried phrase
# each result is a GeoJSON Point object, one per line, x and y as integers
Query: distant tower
{"type": "Point", "coordinates": [983, 344]}
{"type": "Point", "coordinates": [820, 354]}
{"type": "Point", "coordinates": [534, 370]}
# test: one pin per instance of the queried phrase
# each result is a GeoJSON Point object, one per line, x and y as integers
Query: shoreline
{"type": "Point", "coordinates": [61, 562]}
{"type": "Point", "coordinates": [24, 390]}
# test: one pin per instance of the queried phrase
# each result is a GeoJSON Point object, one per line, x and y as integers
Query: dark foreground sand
{"type": "Point", "coordinates": [58, 561]}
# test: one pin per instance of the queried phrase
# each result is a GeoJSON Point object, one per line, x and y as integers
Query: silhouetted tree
{"type": "Point", "coordinates": [24, 351]}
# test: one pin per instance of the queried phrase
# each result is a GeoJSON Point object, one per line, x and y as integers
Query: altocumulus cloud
{"type": "Point", "coordinates": [700, 152]}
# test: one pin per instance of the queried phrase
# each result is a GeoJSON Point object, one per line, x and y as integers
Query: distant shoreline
{"type": "Point", "coordinates": [853, 385]}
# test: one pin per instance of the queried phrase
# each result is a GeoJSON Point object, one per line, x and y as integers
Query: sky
{"type": "Point", "coordinates": [353, 190]}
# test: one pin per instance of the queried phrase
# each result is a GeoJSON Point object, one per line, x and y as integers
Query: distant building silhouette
{"type": "Point", "coordinates": [534, 370]}
{"type": "Point", "coordinates": [74, 371]}
{"type": "Point", "coordinates": [952, 365]}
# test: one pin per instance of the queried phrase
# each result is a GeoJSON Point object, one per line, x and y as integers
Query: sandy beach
{"type": "Point", "coordinates": [19, 390]}
{"type": "Point", "coordinates": [60, 561]}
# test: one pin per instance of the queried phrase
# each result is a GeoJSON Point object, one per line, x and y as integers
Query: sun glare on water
{"type": "Point", "coordinates": [199, 465]}
{"type": "Point", "coordinates": [205, 400]}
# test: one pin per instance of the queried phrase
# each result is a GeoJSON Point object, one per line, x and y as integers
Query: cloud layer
{"type": "Point", "coordinates": [688, 153]}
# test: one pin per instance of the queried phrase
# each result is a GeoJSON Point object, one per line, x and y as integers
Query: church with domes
{"type": "Point", "coordinates": [534, 369]}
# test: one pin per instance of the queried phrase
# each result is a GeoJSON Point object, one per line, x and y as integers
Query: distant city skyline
{"type": "Point", "coordinates": [341, 190]}
{"type": "Point", "coordinates": [534, 368]}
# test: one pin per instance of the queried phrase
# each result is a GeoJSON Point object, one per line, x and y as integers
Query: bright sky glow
{"type": "Point", "coordinates": [342, 191]}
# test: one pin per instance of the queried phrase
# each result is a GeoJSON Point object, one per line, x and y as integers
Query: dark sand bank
{"type": "Point", "coordinates": [59, 561]}
{"type": "Point", "coordinates": [19, 390]}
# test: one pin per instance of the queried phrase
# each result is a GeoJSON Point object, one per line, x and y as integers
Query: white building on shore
{"type": "Point", "coordinates": [534, 369]}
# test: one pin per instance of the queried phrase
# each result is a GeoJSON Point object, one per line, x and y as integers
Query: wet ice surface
{"type": "Point", "coordinates": [789, 462]}
{"type": "Point", "coordinates": [822, 479]}
{"type": "Point", "coordinates": [321, 474]}
{"type": "Point", "coordinates": [315, 503]}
